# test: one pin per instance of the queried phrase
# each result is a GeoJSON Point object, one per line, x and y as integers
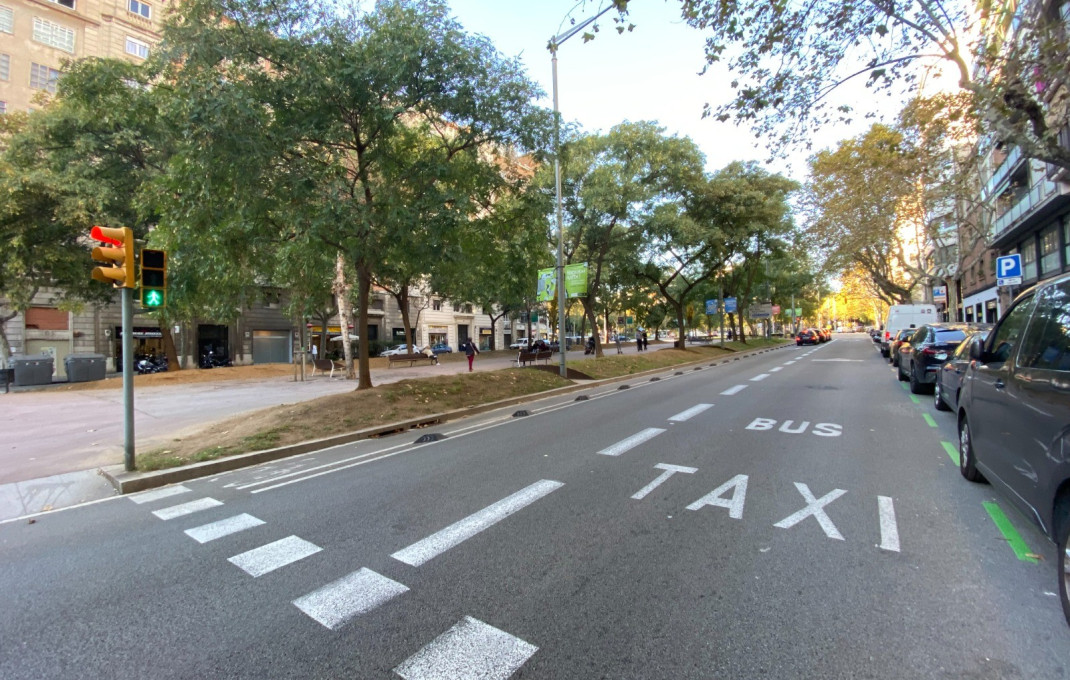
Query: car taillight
{"type": "Point", "coordinates": [887, 335]}
{"type": "Point", "coordinates": [929, 351]}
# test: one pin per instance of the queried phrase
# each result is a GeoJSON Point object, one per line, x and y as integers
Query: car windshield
{"type": "Point", "coordinates": [949, 336]}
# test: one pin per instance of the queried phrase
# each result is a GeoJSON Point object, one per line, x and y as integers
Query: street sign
{"type": "Point", "coordinates": [940, 293]}
{"type": "Point", "coordinates": [711, 306]}
{"type": "Point", "coordinates": [763, 310]}
{"type": "Point", "coordinates": [1009, 270]}
{"type": "Point", "coordinates": [730, 305]}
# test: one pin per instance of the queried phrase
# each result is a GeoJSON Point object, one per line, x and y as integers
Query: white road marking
{"type": "Point", "coordinates": [631, 442]}
{"type": "Point", "coordinates": [789, 363]}
{"type": "Point", "coordinates": [689, 413]}
{"type": "Point", "coordinates": [352, 595]}
{"type": "Point", "coordinates": [470, 649]}
{"type": "Point", "coordinates": [268, 558]}
{"type": "Point", "coordinates": [734, 504]}
{"type": "Point", "coordinates": [831, 360]}
{"type": "Point", "coordinates": [775, 369]}
{"type": "Point", "coordinates": [889, 528]}
{"type": "Point", "coordinates": [224, 527]}
{"type": "Point", "coordinates": [759, 377]}
{"type": "Point", "coordinates": [157, 494]}
{"type": "Point", "coordinates": [187, 508]}
{"type": "Point", "coordinates": [670, 470]}
{"type": "Point", "coordinates": [734, 390]}
{"type": "Point", "coordinates": [814, 506]}
{"type": "Point", "coordinates": [439, 542]}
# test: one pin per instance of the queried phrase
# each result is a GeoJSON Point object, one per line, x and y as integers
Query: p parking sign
{"type": "Point", "coordinates": [1009, 270]}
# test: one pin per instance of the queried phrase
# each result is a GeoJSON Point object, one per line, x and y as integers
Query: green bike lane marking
{"type": "Point", "coordinates": [929, 419]}
{"type": "Point", "coordinates": [1014, 539]}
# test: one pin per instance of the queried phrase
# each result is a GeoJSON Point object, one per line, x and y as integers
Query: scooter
{"type": "Point", "coordinates": [150, 364]}
{"type": "Point", "coordinates": [210, 360]}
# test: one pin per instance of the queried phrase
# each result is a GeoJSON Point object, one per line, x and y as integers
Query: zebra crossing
{"type": "Point", "coordinates": [470, 648]}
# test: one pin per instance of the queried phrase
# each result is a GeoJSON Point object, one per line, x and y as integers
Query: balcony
{"type": "Point", "coordinates": [1055, 172]}
{"type": "Point", "coordinates": [999, 178]}
{"type": "Point", "coordinates": [1042, 201]}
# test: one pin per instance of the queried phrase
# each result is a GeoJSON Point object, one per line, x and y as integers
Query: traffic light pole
{"type": "Point", "coordinates": [128, 378]}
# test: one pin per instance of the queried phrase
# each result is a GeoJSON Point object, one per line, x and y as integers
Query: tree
{"type": "Point", "coordinates": [787, 58]}
{"type": "Point", "coordinates": [343, 134]}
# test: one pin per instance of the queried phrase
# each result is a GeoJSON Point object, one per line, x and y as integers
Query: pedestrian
{"type": "Point", "coordinates": [646, 342]}
{"type": "Point", "coordinates": [315, 353]}
{"type": "Point", "coordinates": [470, 351]}
{"type": "Point", "coordinates": [639, 341]}
{"type": "Point", "coordinates": [617, 338]}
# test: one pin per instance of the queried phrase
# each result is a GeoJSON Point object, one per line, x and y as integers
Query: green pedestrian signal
{"type": "Point", "coordinates": [153, 278]}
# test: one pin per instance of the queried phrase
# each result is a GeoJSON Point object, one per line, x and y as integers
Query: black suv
{"type": "Point", "coordinates": [921, 357]}
{"type": "Point", "coordinates": [1014, 413]}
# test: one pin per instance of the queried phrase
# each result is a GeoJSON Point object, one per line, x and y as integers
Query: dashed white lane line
{"type": "Point", "coordinates": [187, 508]}
{"type": "Point", "coordinates": [759, 377]}
{"type": "Point", "coordinates": [889, 529]}
{"type": "Point", "coordinates": [689, 413]}
{"type": "Point", "coordinates": [631, 442]}
{"type": "Point", "coordinates": [776, 368]}
{"type": "Point", "coordinates": [470, 649]}
{"type": "Point", "coordinates": [789, 363]}
{"type": "Point", "coordinates": [224, 527]}
{"type": "Point", "coordinates": [439, 542]}
{"type": "Point", "coordinates": [339, 601]}
{"type": "Point", "coordinates": [734, 390]}
{"type": "Point", "coordinates": [268, 558]}
{"type": "Point", "coordinates": [157, 494]}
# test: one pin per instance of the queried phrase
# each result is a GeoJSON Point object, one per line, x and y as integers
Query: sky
{"type": "Point", "coordinates": [651, 73]}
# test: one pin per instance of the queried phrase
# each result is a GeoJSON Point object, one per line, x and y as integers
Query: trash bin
{"type": "Point", "coordinates": [85, 367]}
{"type": "Point", "coordinates": [32, 369]}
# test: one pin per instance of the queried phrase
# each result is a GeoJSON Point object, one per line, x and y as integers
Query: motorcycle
{"type": "Point", "coordinates": [212, 360]}
{"type": "Point", "coordinates": [150, 363]}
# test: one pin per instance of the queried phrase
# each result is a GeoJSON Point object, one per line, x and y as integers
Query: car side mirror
{"type": "Point", "coordinates": [977, 349]}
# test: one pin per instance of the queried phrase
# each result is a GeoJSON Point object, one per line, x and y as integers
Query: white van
{"type": "Point", "coordinates": [905, 316]}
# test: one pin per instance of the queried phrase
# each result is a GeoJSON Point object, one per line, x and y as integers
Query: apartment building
{"type": "Point", "coordinates": [37, 37]}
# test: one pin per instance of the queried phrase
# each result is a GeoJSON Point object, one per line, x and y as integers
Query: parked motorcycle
{"type": "Point", "coordinates": [212, 360]}
{"type": "Point", "coordinates": [150, 363]}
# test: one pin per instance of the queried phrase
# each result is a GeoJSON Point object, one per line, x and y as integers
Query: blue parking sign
{"type": "Point", "coordinates": [730, 305]}
{"type": "Point", "coordinates": [1009, 270]}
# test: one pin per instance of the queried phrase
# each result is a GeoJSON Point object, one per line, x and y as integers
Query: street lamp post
{"type": "Point", "coordinates": [556, 42]}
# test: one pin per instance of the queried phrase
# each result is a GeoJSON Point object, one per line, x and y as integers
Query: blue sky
{"type": "Point", "coordinates": [648, 74]}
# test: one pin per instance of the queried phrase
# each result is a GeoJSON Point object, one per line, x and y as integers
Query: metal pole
{"type": "Point", "coordinates": [128, 378]}
{"type": "Point", "coordinates": [560, 223]}
{"type": "Point", "coordinates": [722, 314]}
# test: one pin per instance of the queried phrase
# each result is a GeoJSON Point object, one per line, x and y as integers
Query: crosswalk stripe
{"type": "Point", "coordinates": [352, 595]}
{"type": "Point", "coordinates": [157, 494]}
{"type": "Point", "coordinates": [470, 649]}
{"type": "Point", "coordinates": [187, 508]}
{"type": "Point", "coordinates": [689, 413]}
{"type": "Point", "coordinates": [631, 442]}
{"type": "Point", "coordinates": [268, 558]}
{"type": "Point", "coordinates": [224, 527]}
{"type": "Point", "coordinates": [458, 532]}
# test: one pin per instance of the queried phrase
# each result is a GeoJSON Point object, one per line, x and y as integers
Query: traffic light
{"type": "Point", "coordinates": [119, 252]}
{"type": "Point", "coordinates": [153, 278]}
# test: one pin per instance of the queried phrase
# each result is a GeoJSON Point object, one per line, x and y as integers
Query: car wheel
{"type": "Point", "coordinates": [899, 374]}
{"type": "Point", "coordinates": [915, 386]}
{"type": "Point", "coordinates": [1064, 564]}
{"type": "Point", "coordinates": [967, 465]}
{"type": "Point", "coordinates": [938, 397]}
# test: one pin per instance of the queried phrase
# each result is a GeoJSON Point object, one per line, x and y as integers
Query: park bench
{"type": "Point", "coordinates": [325, 365]}
{"type": "Point", "coordinates": [525, 358]}
{"type": "Point", "coordinates": [412, 359]}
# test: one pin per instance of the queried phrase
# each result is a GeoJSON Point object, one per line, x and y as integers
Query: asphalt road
{"type": "Point", "coordinates": [791, 515]}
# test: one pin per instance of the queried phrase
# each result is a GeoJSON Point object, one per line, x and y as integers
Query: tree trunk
{"type": "Point", "coordinates": [169, 349]}
{"type": "Point", "coordinates": [342, 288]}
{"type": "Point", "coordinates": [680, 325]}
{"type": "Point", "coordinates": [5, 344]}
{"type": "Point", "coordinates": [589, 315]}
{"type": "Point", "coordinates": [364, 287]}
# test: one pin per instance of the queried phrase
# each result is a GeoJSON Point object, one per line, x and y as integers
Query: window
{"type": "Point", "coordinates": [55, 35]}
{"type": "Point", "coordinates": [3, 107]}
{"type": "Point", "coordinates": [43, 77]}
{"type": "Point", "coordinates": [7, 20]}
{"type": "Point", "coordinates": [1049, 250]}
{"type": "Point", "coordinates": [5, 67]}
{"type": "Point", "coordinates": [1066, 240]}
{"type": "Point", "coordinates": [1006, 335]}
{"type": "Point", "coordinates": [1047, 343]}
{"type": "Point", "coordinates": [140, 9]}
{"type": "Point", "coordinates": [437, 305]}
{"type": "Point", "coordinates": [137, 48]}
{"type": "Point", "coordinates": [1029, 260]}
{"type": "Point", "coordinates": [69, 4]}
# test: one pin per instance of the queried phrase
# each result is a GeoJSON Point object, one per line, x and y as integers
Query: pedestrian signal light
{"type": "Point", "coordinates": [118, 253]}
{"type": "Point", "coordinates": [153, 278]}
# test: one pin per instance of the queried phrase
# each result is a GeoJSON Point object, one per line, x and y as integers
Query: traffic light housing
{"type": "Point", "coordinates": [119, 252]}
{"type": "Point", "coordinates": [153, 278]}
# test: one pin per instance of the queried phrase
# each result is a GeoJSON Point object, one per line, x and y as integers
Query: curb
{"type": "Point", "coordinates": [131, 482]}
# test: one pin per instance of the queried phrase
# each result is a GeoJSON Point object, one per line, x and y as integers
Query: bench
{"type": "Point", "coordinates": [412, 359]}
{"type": "Point", "coordinates": [325, 365]}
{"type": "Point", "coordinates": [525, 358]}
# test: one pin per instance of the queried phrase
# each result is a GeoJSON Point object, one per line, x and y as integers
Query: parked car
{"type": "Point", "coordinates": [893, 346]}
{"type": "Point", "coordinates": [1014, 414]}
{"type": "Point", "coordinates": [951, 374]}
{"type": "Point", "coordinates": [519, 344]}
{"type": "Point", "coordinates": [904, 316]}
{"type": "Point", "coordinates": [806, 336]}
{"type": "Point", "coordinates": [441, 348]}
{"type": "Point", "coordinates": [921, 357]}
{"type": "Point", "coordinates": [396, 349]}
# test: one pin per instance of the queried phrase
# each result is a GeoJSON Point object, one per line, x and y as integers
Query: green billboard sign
{"type": "Point", "coordinates": [575, 282]}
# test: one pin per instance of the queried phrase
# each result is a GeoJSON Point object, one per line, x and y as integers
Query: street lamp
{"type": "Point", "coordinates": [556, 42]}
